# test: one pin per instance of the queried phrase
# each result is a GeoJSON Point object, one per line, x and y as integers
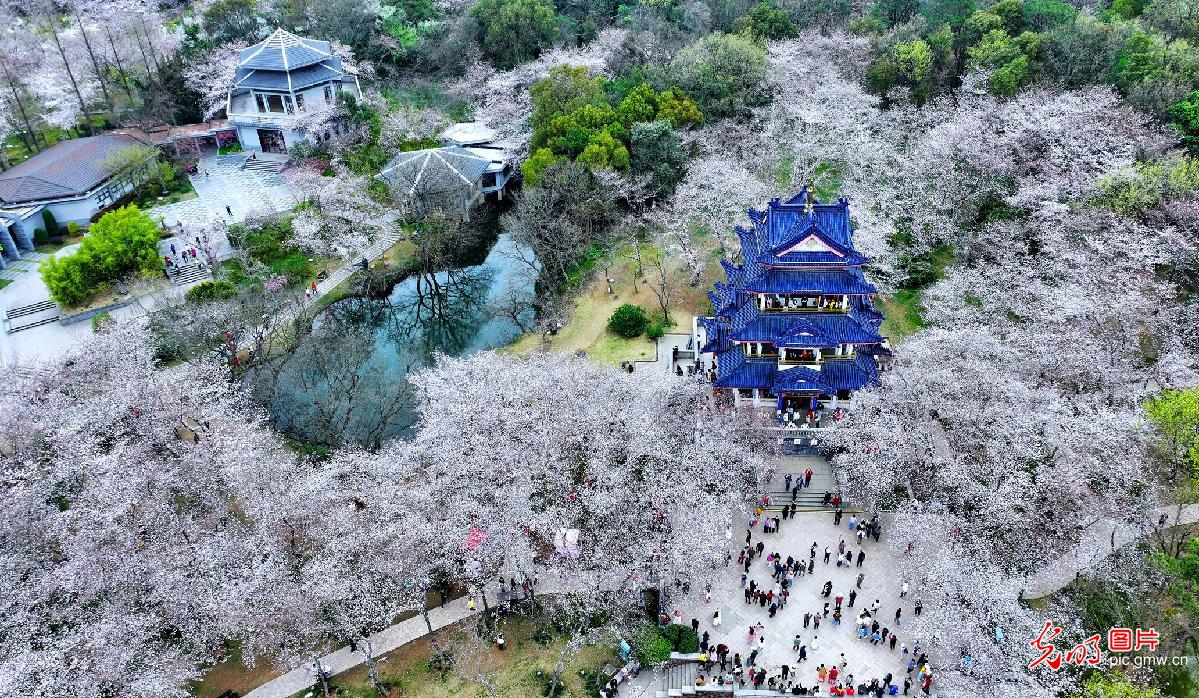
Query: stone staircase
{"type": "Point", "coordinates": [24, 317]}
{"type": "Point", "coordinates": [266, 163]}
{"type": "Point", "coordinates": [191, 273]}
{"type": "Point", "coordinates": [810, 498]}
{"type": "Point", "coordinates": [679, 680]}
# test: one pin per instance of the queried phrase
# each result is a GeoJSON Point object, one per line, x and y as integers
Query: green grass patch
{"type": "Point", "coordinates": [5, 282]}
{"type": "Point", "coordinates": [612, 349]}
{"type": "Point", "coordinates": [902, 314]}
{"type": "Point", "coordinates": [229, 149]}
{"type": "Point", "coordinates": [581, 269]}
{"type": "Point", "coordinates": [828, 178]}
{"type": "Point", "coordinates": [782, 175]}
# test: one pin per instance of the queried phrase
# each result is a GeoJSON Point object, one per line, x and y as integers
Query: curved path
{"type": "Point", "coordinates": [1099, 542]}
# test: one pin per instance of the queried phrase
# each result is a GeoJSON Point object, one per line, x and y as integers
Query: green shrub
{"type": "Point", "coordinates": [628, 321]}
{"type": "Point", "coordinates": [73, 229]}
{"type": "Point", "coordinates": [682, 638]}
{"type": "Point", "coordinates": [211, 291]}
{"type": "Point", "coordinates": [41, 237]}
{"type": "Point", "coordinates": [1184, 115]}
{"type": "Point", "coordinates": [650, 647]}
{"type": "Point", "coordinates": [49, 221]}
{"type": "Point", "coordinates": [441, 662]}
{"type": "Point", "coordinates": [765, 22]}
{"type": "Point", "coordinates": [655, 331]}
{"type": "Point", "coordinates": [99, 321]}
{"type": "Point", "coordinates": [123, 241]}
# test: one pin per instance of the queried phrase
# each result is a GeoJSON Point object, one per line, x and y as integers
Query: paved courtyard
{"type": "Point", "coordinates": [227, 184]}
{"type": "Point", "coordinates": [829, 644]}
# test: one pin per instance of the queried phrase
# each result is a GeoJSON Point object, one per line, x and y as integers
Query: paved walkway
{"type": "Point", "coordinates": [1098, 543]}
{"type": "Point", "coordinates": [304, 677]}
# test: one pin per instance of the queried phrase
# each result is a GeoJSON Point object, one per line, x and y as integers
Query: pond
{"type": "Point", "coordinates": [347, 381]}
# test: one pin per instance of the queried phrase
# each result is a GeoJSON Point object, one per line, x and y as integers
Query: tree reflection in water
{"type": "Point", "coordinates": [346, 382]}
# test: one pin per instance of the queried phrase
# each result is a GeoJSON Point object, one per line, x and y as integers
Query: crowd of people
{"type": "Point", "coordinates": [768, 579]}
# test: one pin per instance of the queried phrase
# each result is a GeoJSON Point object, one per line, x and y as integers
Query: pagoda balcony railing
{"type": "Point", "coordinates": [783, 361]}
{"type": "Point", "coordinates": [803, 309]}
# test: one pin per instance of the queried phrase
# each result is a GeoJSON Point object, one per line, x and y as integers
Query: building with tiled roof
{"type": "Point", "coordinates": [449, 179]}
{"type": "Point", "coordinates": [72, 179]}
{"type": "Point", "coordinates": [279, 82]}
{"type": "Point", "coordinates": [794, 325]}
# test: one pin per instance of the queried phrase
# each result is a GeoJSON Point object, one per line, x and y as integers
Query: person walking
{"type": "Point", "coordinates": [787, 482]}
{"type": "Point", "coordinates": [853, 594]}
{"type": "Point", "coordinates": [807, 478]}
{"type": "Point", "coordinates": [837, 517]}
{"type": "Point", "coordinates": [828, 589]}
{"type": "Point", "coordinates": [229, 210]}
{"type": "Point", "coordinates": [861, 557]}
{"type": "Point", "coordinates": [500, 642]}
{"type": "Point", "coordinates": [826, 554]}
{"type": "Point", "coordinates": [893, 638]}
{"type": "Point", "coordinates": [919, 607]}
{"type": "Point", "coordinates": [716, 618]}
{"type": "Point", "coordinates": [898, 613]}
{"type": "Point", "coordinates": [861, 578]}
{"type": "Point", "coordinates": [903, 590]}
{"type": "Point", "coordinates": [695, 624]}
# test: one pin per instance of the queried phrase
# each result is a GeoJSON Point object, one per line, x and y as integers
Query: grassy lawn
{"type": "Point", "coordinates": [515, 671]}
{"type": "Point", "coordinates": [902, 312]}
{"type": "Point", "coordinates": [587, 329]}
{"type": "Point", "coordinates": [5, 282]}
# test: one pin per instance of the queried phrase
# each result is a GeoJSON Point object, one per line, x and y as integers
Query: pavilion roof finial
{"type": "Point", "coordinates": [809, 203]}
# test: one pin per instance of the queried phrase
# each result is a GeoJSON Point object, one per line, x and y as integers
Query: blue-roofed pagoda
{"type": "Point", "coordinates": [794, 326]}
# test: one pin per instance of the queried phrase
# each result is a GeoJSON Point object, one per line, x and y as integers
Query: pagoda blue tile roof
{"type": "Point", "coordinates": [799, 249]}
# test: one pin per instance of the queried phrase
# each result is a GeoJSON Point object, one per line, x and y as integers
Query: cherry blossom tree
{"type": "Point", "coordinates": [211, 74]}
{"type": "Point", "coordinates": [130, 524]}
{"type": "Point", "coordinates": [340, 215]}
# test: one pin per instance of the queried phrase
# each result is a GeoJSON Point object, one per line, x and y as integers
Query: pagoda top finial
{"type": "Point", "coordinates": [810, 202]}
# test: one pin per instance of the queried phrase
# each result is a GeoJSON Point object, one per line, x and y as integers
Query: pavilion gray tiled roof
{"type": "Point", "coordinates": [296, 79]}
{"type": "Point", "coordinates": [435, 169]}
{"type": "Point", "coordinates": [66, 170]}
{"type": "Point", "coordinates": [284, 51]}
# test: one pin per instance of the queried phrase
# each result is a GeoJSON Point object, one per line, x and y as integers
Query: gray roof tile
{"type": "Point", "coordinates": [67, 169]}
{"type": "Point", "coordinates": [284, 51]}
{"type": "Point", "coordinates": [435, 169]}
